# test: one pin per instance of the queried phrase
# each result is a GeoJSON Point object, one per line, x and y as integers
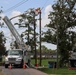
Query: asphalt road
{"type": "Point", "coordinates": [21, 71]}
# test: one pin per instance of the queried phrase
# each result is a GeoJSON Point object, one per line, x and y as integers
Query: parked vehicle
{"type": "Point", "coordinates": [14, 57]}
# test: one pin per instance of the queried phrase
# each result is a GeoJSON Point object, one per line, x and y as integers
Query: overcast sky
{"type": "Point", "coordinates": [15, 7]}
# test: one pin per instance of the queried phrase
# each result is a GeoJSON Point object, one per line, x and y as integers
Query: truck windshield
{"type": "Point", "coordinates": [15, 52]}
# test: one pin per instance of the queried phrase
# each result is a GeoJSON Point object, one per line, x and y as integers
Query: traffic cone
{"type": "Point", "coordinates": [10, 66]}
{"type": "Point", "coordinates": [24, 66]}
{"type": "Point", "coordinates": [36, 65]}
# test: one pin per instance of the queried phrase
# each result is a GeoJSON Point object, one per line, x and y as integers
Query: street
{"type": "Point", "coordinates": [21, 71]}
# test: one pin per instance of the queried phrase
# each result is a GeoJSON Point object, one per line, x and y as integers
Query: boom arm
{"type": "Point", "coordinates": [19, 40]}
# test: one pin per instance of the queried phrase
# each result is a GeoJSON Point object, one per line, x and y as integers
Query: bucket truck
{"type": "Point", "coordinates": [17, 56]}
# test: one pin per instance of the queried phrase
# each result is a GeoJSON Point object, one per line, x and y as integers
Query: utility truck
{"type": "Point", "coordinates": [17, 56]}
{"type": "Point", "coordinates": [14, 57]}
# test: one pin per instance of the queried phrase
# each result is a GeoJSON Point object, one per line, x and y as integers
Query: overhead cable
{"type": "Point", "coordinates": [44, 4]}
{"type": "Point", "coordinates": [15, 6]}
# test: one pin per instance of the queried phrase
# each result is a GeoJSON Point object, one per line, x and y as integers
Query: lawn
{"type": "Point", "coordinates": [44, 61]}
{"type": "Point", "coordinates": [60, 71]}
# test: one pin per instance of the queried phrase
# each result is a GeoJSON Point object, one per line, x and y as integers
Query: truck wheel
{"type": "Point", "coordinates": [21, 65]}
{"type": "Point", "coordinates": [6, 66]}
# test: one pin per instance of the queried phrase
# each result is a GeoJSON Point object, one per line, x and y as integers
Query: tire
{"type": "Point", "coordinates": [6, 66]}
{"type": "Point", "coordinates": [21, 65]}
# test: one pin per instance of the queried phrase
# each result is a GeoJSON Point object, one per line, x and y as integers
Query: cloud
{"type": "Point", "coordinates": [49, 45]}
{"type": "Point", "coordinates": [15, 13]}
{"type": "Point", "coordinates": [45, 19]}
{"type": "Point", "coordinates": [48, 9]}
{"type": "Point", "coordinates": [7, 31]}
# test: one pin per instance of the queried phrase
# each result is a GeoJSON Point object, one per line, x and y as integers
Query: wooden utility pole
{"type": "Point", "coordinates": [57, 47]}
{"type": "Point", "coordinates": [35, 39]}
{"type": "Point", "coordinates": [40, 36]}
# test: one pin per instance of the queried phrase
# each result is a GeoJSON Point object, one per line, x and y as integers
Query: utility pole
{"type": "Point", "coordinates": [28, 35]}
{"type": "Point", "coordinates": [35, 39]}
{"type": "Point", "coordinates": [40, 36]}
{"type": "Point", "coordinates": [57, 47]}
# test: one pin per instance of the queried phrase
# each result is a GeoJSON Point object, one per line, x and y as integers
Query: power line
{"type": "Point", "coordinates": [44, 4]}
{"type": "Point", "coordinates": [15, 6]}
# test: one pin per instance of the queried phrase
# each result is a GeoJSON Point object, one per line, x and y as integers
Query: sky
{"type": "Point", "coordinates": [12, 8]}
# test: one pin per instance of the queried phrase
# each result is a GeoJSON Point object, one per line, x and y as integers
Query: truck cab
{"type": "Point", "coordinates": [14, 57]}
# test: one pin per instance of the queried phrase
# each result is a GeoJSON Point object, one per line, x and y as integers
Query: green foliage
{"type": "Point", "coordinates": [62, 19]}
{"type": "Point", "coordinates": [44, 61]}
{"type": "Point", "coordinates": [2, 43]}
{"type": "Point", "coordinates": [27, 21]}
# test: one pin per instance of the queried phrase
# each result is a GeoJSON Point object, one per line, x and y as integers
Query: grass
{"type": "Point", "coordinates": [44, 61]}
{"type": "Point", "coordinates": [60, 71]}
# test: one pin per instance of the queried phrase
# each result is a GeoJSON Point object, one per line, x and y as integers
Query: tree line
{"type": "Point", "coordinates": [60, 29]}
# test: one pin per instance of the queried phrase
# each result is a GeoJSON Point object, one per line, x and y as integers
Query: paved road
{"type": "Point", "coordinates": [20, 71]}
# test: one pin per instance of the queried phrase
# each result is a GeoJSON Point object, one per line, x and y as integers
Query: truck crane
{"type": "Point", "coordinates": [17, 56]}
